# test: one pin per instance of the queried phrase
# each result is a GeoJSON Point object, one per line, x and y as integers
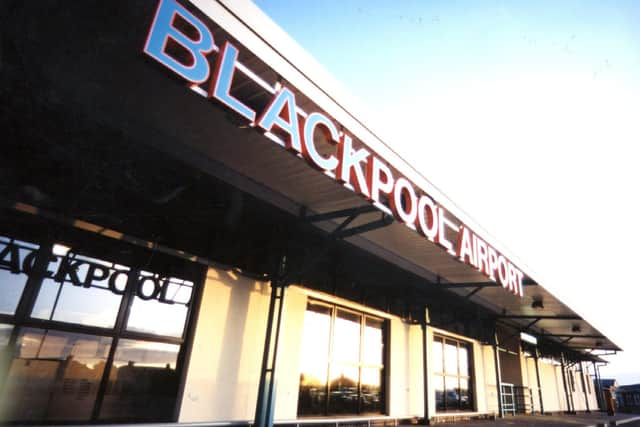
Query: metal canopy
{"type": "Point", "coordinates": [165, 113]}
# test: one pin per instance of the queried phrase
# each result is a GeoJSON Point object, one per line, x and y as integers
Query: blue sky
{"type": "Point", "coordinates": [523, 113]}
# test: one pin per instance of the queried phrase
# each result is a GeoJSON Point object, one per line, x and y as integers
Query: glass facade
{"type": "Point", "coordinates": [342, 362]}
{"type": "Point", "coordinates": [452, 381]}
{"type": "Point", "coordinates": [83, 339]}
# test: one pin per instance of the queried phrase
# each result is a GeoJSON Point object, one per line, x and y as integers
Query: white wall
{"type": "Point", "coordinates": [222, 377]}
{"type": "Point", "coordinates": [224, 370]}
{"type": "Point", "coordinates": [490, 389]}
{"type": "Point", "coordinates": [406, 390]}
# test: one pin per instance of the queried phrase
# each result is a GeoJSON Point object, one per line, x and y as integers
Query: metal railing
{"type": "Point", "coordinates": [508, 399]}
{"type": "Point", "coordinates": [516, 399]}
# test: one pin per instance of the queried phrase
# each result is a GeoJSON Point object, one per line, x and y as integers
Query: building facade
{"type": "Point", "coordinates": [197, 227]}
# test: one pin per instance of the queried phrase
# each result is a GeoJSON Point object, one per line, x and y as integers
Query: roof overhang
{"type": "Point", "coordinates": [179, 117]}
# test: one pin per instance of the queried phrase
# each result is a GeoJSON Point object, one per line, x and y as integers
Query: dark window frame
{"type": "Point", "coordinates": [383, 367]}
{"type": "Point", "coordinates": [442, 376]}
{"type": "Point", "coordinates": [22, 318]}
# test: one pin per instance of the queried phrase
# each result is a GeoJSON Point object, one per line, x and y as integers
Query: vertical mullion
{"type": "Point", "coordinates": [121, 318]}
{"type": "Point", "coordinates": [363, 323]}
{"type": "Point", "coordinates": [330, 358]}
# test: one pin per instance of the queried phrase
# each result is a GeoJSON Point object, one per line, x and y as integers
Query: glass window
{"type": "Point", "coordinates": [87, 376]}
{"type": "Point", "coordinates": [142, 382]}
{"type": "Point", "coordinates": [314, 360]}
{"type": "Point", "coordinates": [463, 361]}
{"type": "Point", "coordinates": [451, 357]}
{"type": "Point", "coordinates": [451, 374]}
{"type": "Point", "coordinates": [343, 389]}
{"type": "Point", "coordinates": [81, 291]}
{"type": "Point", "coordinates": [373, 351]}
{"type": "Point", "coordinates": [438, 385]}
{"type": "Point", "coordinates": [346, 337]}
{"type": "Point", "coordinates": [465, 402]}
{"type": "Point", "coordinates": [14, 256]}
{"type": "Point", "coordinates": [166, 300]}
{"type": "Point", "coordinates": [349, 347]}
{"type": "Point", "coordinates": [5, 334]}
{"type": "Point", "coordinates": [54, 376]}
{"type": "Point", "coordinates": [452, 398]}
{"type": "Point", "coordinates": [371, 390]}
{"type": "Point", "coordinates": [438, 365]}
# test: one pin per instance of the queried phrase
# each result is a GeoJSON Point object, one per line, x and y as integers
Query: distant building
{"type": "Point", "coordinates": [628, 398]}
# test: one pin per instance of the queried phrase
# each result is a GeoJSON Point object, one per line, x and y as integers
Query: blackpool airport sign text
{"type": "Point", "coordinates": [187, 53]}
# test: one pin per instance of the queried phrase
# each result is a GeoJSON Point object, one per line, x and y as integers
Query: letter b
{"type": "Point", "coordinates": [163, 29]}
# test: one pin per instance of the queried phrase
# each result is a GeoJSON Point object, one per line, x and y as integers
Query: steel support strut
{"type": "Point", "coordinates": [600, 394]}
{"type": "Point", "coordinates": [425, 366]}
{"type": "Point", "coordinates": [266, 396]}
{"type": "Point", "coordinates": [584, 387]}
{"type": "Point", "coordinates": [565, 382]}
{"type": "Point", "coordinates": [496, 361]}
{"type": "Point", "coordinates": [536, 355]}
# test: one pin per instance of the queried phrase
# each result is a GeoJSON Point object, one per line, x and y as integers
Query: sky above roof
{"type": "Point", "coordinates": [522, 113]}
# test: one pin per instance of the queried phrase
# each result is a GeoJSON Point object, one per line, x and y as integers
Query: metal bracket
{"type": "Point", "coordinates": [341, 231]}
{"type": "Point", "coordinates": [350, 214]}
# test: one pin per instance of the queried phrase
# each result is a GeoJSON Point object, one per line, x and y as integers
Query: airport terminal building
{"type": "Point", "coordinates": [197, 226]}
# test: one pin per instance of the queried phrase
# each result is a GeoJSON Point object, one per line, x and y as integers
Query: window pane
{"type": "Point", "coordinates": [5, 334]}
{"type": "Point", "coordinates": [373, 350]}
{"type": "Point", "coordinates": [84, 296]}
{"type": "Point", "coordinates": [142, 382]}
{"type": "Point", "coordinates": [451, 357]}
{"type": "Point", "coordinates": [451, 392]}
{"type": "Point", "coordinates": [343, 389]}
{"type": "Point", "coordinates": [12, 279]}
{"type": "Point", "coordinates": [346, 337]}
{"type": "Point", "coordinates": [438, 385]}
{"type": "Point", "coordinates": [465, 395]}
{"type": "Point", "coordinates": [463, 358]}
{"type": "Point", "coordinates": [371, 391]}
{"type": "Point", "coordinates": [168, 308]}
{"type": "Point", "coordinates": [54, 376]}
{"type": "Point", "coordinates": [457, 391]}
{"type": "Point", "coordinates": [437, 356]}
{"type": "Point", "coordinates": [314, 360]}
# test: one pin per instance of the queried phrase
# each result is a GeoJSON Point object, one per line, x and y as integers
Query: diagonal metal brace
{"type": "Point", "coordinates": [350, 212]}
{"type": "Point", "coordinates": [373, 225]}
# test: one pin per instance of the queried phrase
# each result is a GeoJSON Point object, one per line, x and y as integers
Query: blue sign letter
{"type": "Point", "coordinates": [162, 30]}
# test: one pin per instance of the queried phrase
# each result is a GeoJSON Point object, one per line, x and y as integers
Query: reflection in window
{"type": "Point", "coordinates": [14, 255]}
{"type": "Point", "coordinates": [163, 299]}
{"type": "Point", "coordinates": [314, 360]}
{"type": "Point", "coordinates": [142, 382]}
{"type": "Point", "coordinates": [451, 375]}
{"type": "Point", "coordinates": [54, 376]}
{"type": "Point", "coordinates": [81, 294]}
{"type": "Point", "coordinates": [349, 347]}
{"type": "Point", "coordinates": [5, 334]}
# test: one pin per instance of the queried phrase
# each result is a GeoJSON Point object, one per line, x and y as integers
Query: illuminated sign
{"type": "Point", "coordinates": [185, 52]}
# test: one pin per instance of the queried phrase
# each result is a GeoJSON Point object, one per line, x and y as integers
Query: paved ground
{"type": "Point", "coordinates": [593, 419]}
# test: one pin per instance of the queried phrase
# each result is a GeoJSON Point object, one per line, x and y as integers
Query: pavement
{"type": "Point", "coordinates": [594, 419]}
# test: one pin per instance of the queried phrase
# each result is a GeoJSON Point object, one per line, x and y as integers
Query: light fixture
{"type": "Point", "coordinates": [528, 338]}
{"type": "Point", "coordinates": [537, 303]}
